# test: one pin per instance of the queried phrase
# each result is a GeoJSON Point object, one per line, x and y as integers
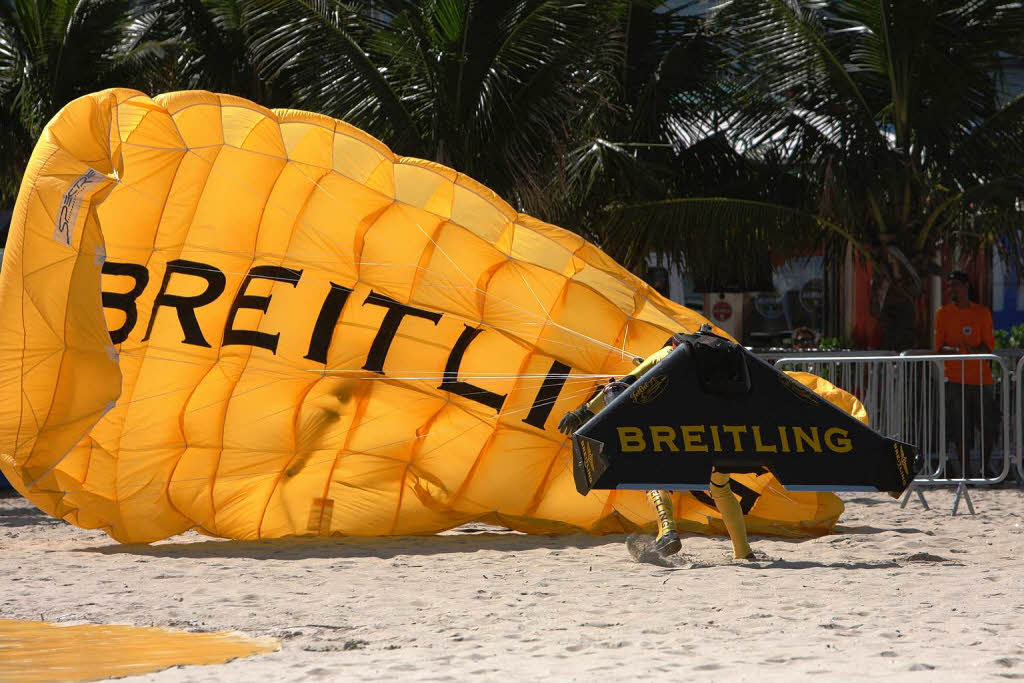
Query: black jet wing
{"type": "Point", "coordinates": [711, 403]}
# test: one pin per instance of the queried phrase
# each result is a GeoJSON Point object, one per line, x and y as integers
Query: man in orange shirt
{"type": "Point", "coordinates": [963, 326]}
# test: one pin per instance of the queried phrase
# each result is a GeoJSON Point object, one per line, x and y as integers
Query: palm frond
{"type": "Point", "coordinates": [723, 243]}
{"type": "Point", "coordinates": [319, 50]}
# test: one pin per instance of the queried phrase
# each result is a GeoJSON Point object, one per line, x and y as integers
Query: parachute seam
{"type": "Point", "coordinates": [537, 497]}
{"type": "Point", "coordinates": [56, 334]}
{"type": "Point", "coordinates": [280, 474]}
{"type": "Point", "coordinates": [357, 418]}
{"type": "Point", "coordinates": [276, 285]}
{"type": "Point", "coordinates": [149, 258]}
{"type": "Point", "coordinates": [145, 353]}
{"type": "Point", "coordinates": [69, 257]}
{"type": "Point", "coordinates": [417, 444]}
{"type": "Point", "coordinates": [395, 160]}
{"type": "Point", "coordinates": [249, 134]}
{"type": "Point", "coordinates": [360, 237]}
{"type": "Point", "coordinates": [149, 112]}
{"type": "Point", "coordinates": [24, 337]}
{"type": "Point", "coordinates": [484, 448]}
{"type": "Point", "coordinates": [60, 368]}
{"type": "Point", "coordinates": [220, 349]}
{"type": "Point", "coordinates": [288, 463]}
{"type": "Point", "coordinates": [482, 285]}
{"type": "Point", "coordinates": [38, 171]}
{"type": "Point", "coordinates": [468, 477]}
{"type": "Point", "coordinates": [428, 252]}
{"type": "Point", "coordinates": [519, 217]}
{"type": "Point", "coordinates": [609, 501]}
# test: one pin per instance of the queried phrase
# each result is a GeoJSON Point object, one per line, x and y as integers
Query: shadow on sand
{"type": "Point", "coordinates": [865, 530]}
{"type": "Point", "coordinates": [469, 538]}
{"type": "Point", "coordinates": [462, 540]}
{"type": "Point", "coordinates": [641, 549]}
{"type": "Point", "coordinates": [26, 516]}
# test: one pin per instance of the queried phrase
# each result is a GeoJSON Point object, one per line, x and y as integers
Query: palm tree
{"type": "Point", "coordinates": [887, 113]}
{"type": "Point", "coordinates": [494, 89]}
{"type": "Point", "coordinates": [664, 137]}
{"type": "Point", "coordinates": [52, 51]}
{"type": "Point", "coordinates": [208, 48]}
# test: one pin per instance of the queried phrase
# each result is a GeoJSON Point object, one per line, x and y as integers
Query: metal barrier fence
{"type": "Point", "coordinates": [908, 397]}
{"type": "Point", "coordinates": [1019, 374]}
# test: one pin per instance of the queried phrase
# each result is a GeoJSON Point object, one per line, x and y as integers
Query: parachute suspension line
{"type": "Point", "coordinates": [341, 205]}
{"type": "Point", "coordinates": [199, 482]}
{"type": "Point", "coordinates": [510, 305]}
{"type": "Point", "coordinates": [536, 298]}
{"type": "Point", "coordinates": [143, 425]}
{"type": "Point", "coordinates": [491, 324]}
{"type": "Point", "coordinates": [304, 258]}
{"type": "Point", "coordinates": [588, 388]}
{"type": "Point", "coordinates": [520, 309]}
{"type": "Point", "coordinates": [364, 375]}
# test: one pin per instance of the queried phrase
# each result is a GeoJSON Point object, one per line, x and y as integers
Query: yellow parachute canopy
{"type": "Point", "coordinates": [264, 323]}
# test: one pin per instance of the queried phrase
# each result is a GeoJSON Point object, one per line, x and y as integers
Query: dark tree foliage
{"type": "Point", "coordinates": [489, 88]}
{"type": "Point", "coordinates": [887, 121]}
{"type": "Point", "coordinates": [650, 127]}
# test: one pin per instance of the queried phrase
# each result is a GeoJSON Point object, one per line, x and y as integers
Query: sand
{"type": "Point", "coordinates": [908, 593]}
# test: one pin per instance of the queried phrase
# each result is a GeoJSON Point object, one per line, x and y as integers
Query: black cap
{"type": "Point", "coordinates": [958, 275]}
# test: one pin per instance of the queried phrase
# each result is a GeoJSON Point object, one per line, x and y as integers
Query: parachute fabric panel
{"type": "Point", "coordinates": [58, 369]}
{"type": "Point", "coordinates": [313, 337]}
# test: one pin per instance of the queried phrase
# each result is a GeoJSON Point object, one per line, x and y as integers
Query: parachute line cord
{"type": "Point", "coordinates": [421, 376]}
{"type": "Point", "coordinates": [180, 248]}
{"type": "Point", "coordinates": [297, 219]}
{"type": "Point", "coordinates": [520, 309]}
{"type": "Point", "coordinates": [206, 480]}
{"type": "Point", "coordinates": [536, 298]}
{"type": "Point", "coordinates": [538, 382]}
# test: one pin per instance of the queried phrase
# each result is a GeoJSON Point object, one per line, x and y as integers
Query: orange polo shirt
{"type": "Point", "coordinates": [963, 327]}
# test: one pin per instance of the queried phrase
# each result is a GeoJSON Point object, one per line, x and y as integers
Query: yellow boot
{"type": "Point", "coordinates": [732, 515]}
{"type": "Point", "coordinates": [667, 542]}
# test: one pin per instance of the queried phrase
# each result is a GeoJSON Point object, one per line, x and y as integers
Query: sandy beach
{"type": "Point", "coordinates": [909, 593]}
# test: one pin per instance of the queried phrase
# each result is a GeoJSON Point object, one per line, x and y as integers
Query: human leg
{"type": "Point", "coordinates": [991, 421]}
{"type": "Point", "coordinates": [956, 430]}
{"type": "Point", "coordinates": [667, 541]}
{"type": "Point", "coordinates": [731, 513]}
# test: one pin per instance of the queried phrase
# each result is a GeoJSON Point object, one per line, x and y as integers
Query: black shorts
{"type": "Point", "coordinates": [968, 408]}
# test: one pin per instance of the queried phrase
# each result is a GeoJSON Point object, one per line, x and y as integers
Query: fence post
{"type": "Point", "coordinates": [905, 396]}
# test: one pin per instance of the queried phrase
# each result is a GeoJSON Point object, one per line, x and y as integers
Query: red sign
{"type": "Point", "coordinates": [721, 311]}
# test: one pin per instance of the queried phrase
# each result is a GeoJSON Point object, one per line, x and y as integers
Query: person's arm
{"type": "Point", "coordinates": [575, 419]}
{"type": "Point", "coordinates": [943, 345]}
{"type": "Point", "coordinates": [597, 404]}
{"type": "Point", "coordinates": [988, 340]}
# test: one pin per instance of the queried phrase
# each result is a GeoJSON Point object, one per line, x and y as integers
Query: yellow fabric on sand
{"type": "Point", "coordinates": [308, 335]}
{"type": "Point", "coordinates": [40, 651]}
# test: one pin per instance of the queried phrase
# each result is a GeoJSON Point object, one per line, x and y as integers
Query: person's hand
{"type": "Point", "coordinates": [574, 419]}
